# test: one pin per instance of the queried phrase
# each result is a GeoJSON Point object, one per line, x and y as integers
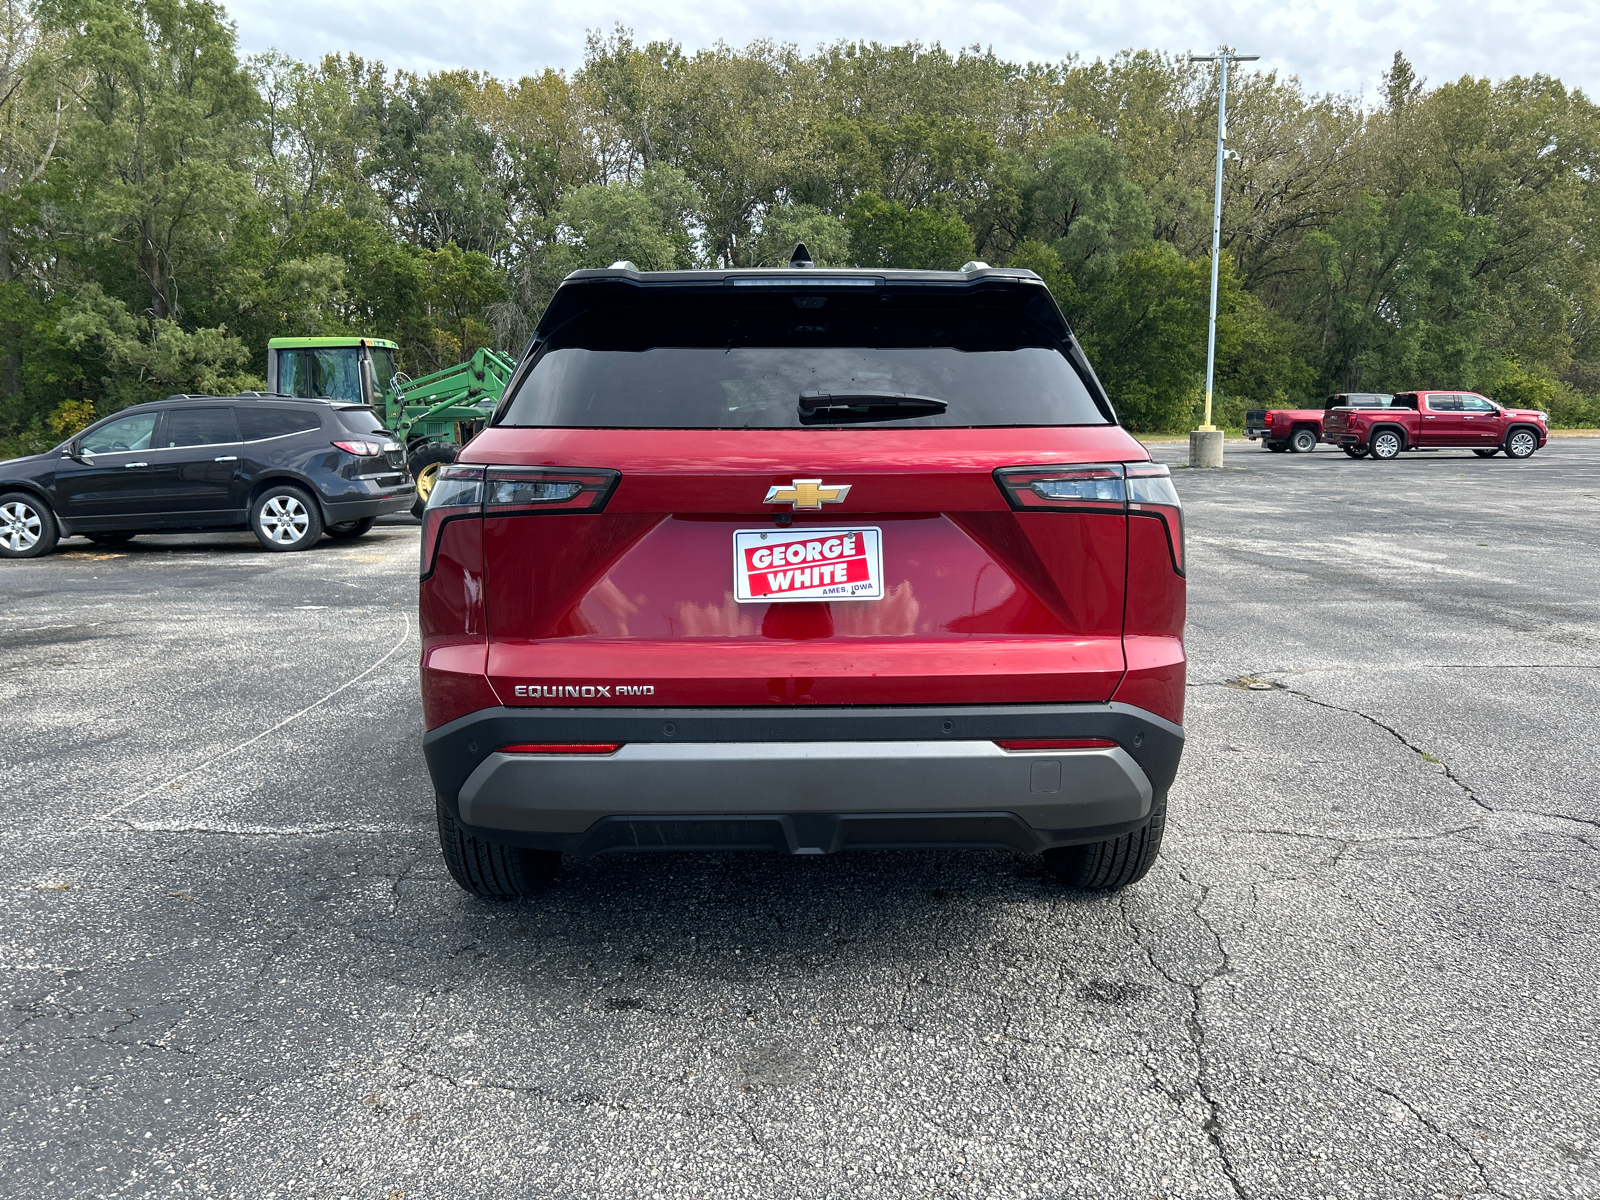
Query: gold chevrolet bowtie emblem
{"type": "Point", "coordinates": [807, 493]}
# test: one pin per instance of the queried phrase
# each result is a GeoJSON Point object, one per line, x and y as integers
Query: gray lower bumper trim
{"type": "Point", "coordinates": [566, 794]}
{"type": "Point", "coordinates": [369, 506]}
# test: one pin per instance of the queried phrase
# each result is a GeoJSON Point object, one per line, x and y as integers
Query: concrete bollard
{"type": "Point", "coordinates": [1205, 448]}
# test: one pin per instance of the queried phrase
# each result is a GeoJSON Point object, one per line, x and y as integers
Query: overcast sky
{"type": "Point", "coordinates": [1333, 45]}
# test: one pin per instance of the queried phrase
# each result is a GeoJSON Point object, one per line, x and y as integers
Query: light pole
{"type": "Point", "coordinates": [1209, 449]}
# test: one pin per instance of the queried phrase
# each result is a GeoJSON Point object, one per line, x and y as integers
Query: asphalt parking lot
{"type": "Point", "coordinates": [1367, 966]}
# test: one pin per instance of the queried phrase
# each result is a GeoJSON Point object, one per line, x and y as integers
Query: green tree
{"type": "Point", "coordinates": [784, 226]}
{"type": "Point", "coordinates": [647, 223]}
{"type": "Point", "coordinates": [1081, 202]}
{"type": "Point", "coordinates": [147, 363]}
{"type": "Point", "coordinates": [35, 108]}
{"type": "Point", "coordinates": [436, 166]}
{"type": "Point", "coordinates": [1145, 333]}
{"type": "Point", "coordinates": [1391, 294]}
{"type": "Point", "coordinates": [157, 157]}
{"type": "Point", "coordinates": [885, 233]}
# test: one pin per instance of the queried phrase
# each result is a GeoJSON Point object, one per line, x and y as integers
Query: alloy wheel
{"type": "Point", "coordinates": [1386, 445]}
{"type": "Point", "coordinates": [1523, 444]}
{"type": "Point", "coordinates": [20, 526]}
{"type": "Point", "coordinates": [284, 520]}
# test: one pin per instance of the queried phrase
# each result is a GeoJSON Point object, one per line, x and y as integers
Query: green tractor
{"type": "Point", "coordinates": [432, 417]}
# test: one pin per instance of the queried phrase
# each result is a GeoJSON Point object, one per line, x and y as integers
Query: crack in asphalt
{"type": "Point", "coordinates": [1346, 844]}
{"type": "Point", "coordinates": [1422, 1118]}
{"type": "Point", "coordinates": [1449, 773]}
{"type": "Point", "coordinates": [1249, 682]}
{"type": "Point", "coordinates": [1195, 1027]}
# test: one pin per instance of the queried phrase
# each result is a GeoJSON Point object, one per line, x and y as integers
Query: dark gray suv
{"type": "Point", "coordinates": [288, 470]}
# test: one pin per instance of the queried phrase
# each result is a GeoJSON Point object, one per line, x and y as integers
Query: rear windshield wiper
{"type": "Point", "coordinates": [844, 408]}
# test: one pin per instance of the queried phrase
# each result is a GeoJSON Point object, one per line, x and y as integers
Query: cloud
{"type": "Point", "coordinates": [1332, 45]}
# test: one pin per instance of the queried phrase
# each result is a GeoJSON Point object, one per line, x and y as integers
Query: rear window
{"type": "Point", "coordinates": [360, 420]}
{"type": "Point", "coordinates": [259, 424]}
{"type": "Point", "coordinates": [741, 361]}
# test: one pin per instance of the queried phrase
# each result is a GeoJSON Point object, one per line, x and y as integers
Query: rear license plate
{"type": "Point", "coordinates": [771, 565]}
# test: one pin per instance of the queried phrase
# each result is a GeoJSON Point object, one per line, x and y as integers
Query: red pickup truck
{"type": "Point", "coordinates": [1299, 429]}
{"type": "Point", "coordinates": [1433, 421]}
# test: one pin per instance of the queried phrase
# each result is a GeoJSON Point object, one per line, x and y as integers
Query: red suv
{"type": "Point", "coordinates": [802, 560]}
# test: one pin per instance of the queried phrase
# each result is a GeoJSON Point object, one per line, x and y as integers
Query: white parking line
{"type": "Point", "coordinates": [405, 636]}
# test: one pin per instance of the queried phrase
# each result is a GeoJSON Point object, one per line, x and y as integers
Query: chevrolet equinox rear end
{"type": "Point", "coordinates": [804, 561]}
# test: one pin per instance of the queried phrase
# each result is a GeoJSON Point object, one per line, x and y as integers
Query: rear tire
{"type": "Point", "coordinates": [1521, 443]}
{"type": "Point", "coordinates": [490, 869]}
{"type": "Point", "coordinates": [1113, 864]}
{"type": "Point", "coordinates": [110, 539]}
{"type": "Point", "coordinates": [345, 530]}
{"type": "Point", "coordinates": [285, 518]}
{"type": "Point", "coordinates": [425, 462]}
{"type": "Point", "coordinates": [1386, 444]}
{"type": "Point", "coordinates": [1303, 441]}
{"type": "Point", "coordinates": [28, 528]}
{"type": "Point", "coordinates": [1487, 453]}
{"type": "Point", "coordinates": [1355, 451]}
{"type": "Point", "coordinates": [1276, 447]}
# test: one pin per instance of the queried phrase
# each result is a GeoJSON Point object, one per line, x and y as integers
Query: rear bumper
{"type": "Point", "coordinates": [371, 501]}
{"type": "Point", "coordinates": [809, 781]}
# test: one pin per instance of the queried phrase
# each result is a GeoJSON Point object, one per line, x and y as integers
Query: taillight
{"type": "Point", "coordinates": [1150, 493]}
{"type": "Point", "coordinates": [1057, 744]}
{"type": "Point", "coordinates": [361, 449]}
{"type": "Point", "coordinates": [457, 492]}
{"type": "Point", "coordinates": [509, 490]}
{"type": "Point", "coordinates": [1090, 487]}
{"type": "Point", "coordinates": [1137, 489]}
{"type": "Point", "coordinates": [562, 748]}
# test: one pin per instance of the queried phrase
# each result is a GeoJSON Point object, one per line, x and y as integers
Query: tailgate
{"type": "Point", "coordinates": [646, 603]}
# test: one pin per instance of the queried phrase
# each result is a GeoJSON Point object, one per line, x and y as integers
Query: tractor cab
{"type": "Point", "coordinates": [351, 369]}
{"type": "Point", "coordinates": [432, 417]}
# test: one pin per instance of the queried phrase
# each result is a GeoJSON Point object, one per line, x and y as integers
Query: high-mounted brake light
{"type": "Point", "coordinates": [361, 449]}
{"type": "Point", "coordinates": [1056, 744]}
{"type": "Point", "coordinates": [509, 490]}
{"type": "Point", "coordinates": [562, 748]}
{"type": "Point", "coordinates": [1134, 489]}
{"type": "Point", "coordinates": [805, 281]}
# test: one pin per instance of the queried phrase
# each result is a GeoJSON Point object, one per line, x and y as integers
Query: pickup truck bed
{"type": "Point", "coordinates": [1300, 429]}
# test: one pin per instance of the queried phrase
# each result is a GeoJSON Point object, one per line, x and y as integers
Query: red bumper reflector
{"type": "Point", "coordinates": [1057, 744]}
{"type": "Point", "coordinates": [562, 748]}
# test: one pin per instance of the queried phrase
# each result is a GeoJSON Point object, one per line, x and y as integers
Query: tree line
{"type": "Point", "coordinates": [169, 205]}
